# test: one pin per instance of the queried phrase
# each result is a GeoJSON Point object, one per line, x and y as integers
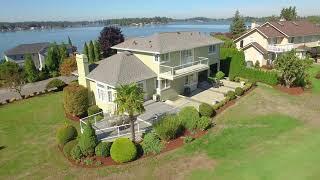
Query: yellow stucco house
{"type": "Point", "coordinates": [265, 42]}
{"type": "Point", "coordinates": [163, 64]}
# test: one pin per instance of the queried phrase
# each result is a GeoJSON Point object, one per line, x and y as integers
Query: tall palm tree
{"type": "Point", "coordinates": [129, 99]}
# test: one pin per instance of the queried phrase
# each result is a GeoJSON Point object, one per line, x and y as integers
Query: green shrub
{"type": "Point", "coordinates": [151, 144]}
{"type": "Point", "coordinates": [94, 109]}
{"type": "Point", "coordinates": [66, 134]}
{"type": "Point", "coordinates": [56, 83]}
{"type": "Point", "coordinates": [169, 127]}
{"type": "Point", "coordinates": [68, 147]}
{"type": "Point", "coordinates": [231, 95]}
{"type": "Point", "coordinates": [205, 110]}
{"type": "Point", "coordinates": [239, 91]}
{"type": "Point", "coordinates": [103, 149]}
{"type": "Point", "coordinates": [220, 75]}
{"type": "Point", "coordinates": [88, 161]}
{"type": "Point", "coordinates": [123, 150]}
{"type": "Point", "coordinates": [188, 139]}
{"type": "Point", "coordinates": [237, 79]}
{"type": "Point", "coordinates": [76, 153]}
{"type": "Point", "coordinates": [204, 123]}
{"type": "Point", "coordinates": [189, 116]}
{"type": "Point", "coordinates": [75, 99]}
{"type": "Point", "coordinates": [88, 140]}
{"type": "Point", "coordinates": [257, 75]}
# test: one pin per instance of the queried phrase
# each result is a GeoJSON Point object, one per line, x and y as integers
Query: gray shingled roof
{"type": "Point", "coordinates": [168, 42]}
{"type": "Point", "coordinates": [27, 48]}
{"type": "Point", "coordinates": [121, 68]}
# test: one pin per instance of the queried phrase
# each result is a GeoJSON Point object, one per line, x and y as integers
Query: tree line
{"type": "Point", "coordinates": [8, 26]}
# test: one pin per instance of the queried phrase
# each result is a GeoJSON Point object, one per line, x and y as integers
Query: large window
{"type": "Point", "coordinates": [186, 56]}
{"type": "Point", "coordinates": [104, 93]}
{"type": "Point", "coordinates": [212, 49]}
{"type": "Point", "coordinates": [165, 58]}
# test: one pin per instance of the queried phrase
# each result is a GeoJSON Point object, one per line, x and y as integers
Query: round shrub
{"type": "Point", "coordinates": [204, 123]}
{"type": "Point", "coordinates": [56, 83]}
{"type": "Point", "coordinates": [75, 99]}
{"type": "Point", "coordinates": [76, 153]}
{"type": "Point", "coordinates": [189, 116]}
{"type": "Point", "coordinates": [123, 150]}
{"type": "Point", "coordinates": [88, 141]}
{"type": "Point", "coordinates": [151, 144]}
{"type": "Point", "coordinates": [205, 110]}
{"type": "Point", "coordinates": [169, 127]}
{"type": "Point", "coordinates": [239, 91]}
{"type": "Point", "coordinates": [66, 134]}
{"type": "Point", "coordinates": [103, 149]}
{"type": "Point", "coordinates": [68, 147]}
{"type": "Point", "coordinates": [231, 95]}
{"type": "Point", "coordinates": [318, 75]}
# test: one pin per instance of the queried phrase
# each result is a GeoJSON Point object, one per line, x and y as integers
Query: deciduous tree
{"type": "Point", "coordinates": [12, 76]}
{"type": "Point", "coordinates": [289, 13]}
{"type": "Point", "coordinates": [109, 36]}
{"type": "Point", "coordinates": [68, 66]}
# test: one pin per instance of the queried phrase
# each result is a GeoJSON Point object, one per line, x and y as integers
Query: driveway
{"type": "Point", "coordinates": [30, 88]}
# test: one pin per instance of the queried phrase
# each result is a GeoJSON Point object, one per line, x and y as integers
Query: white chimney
{"type": "Point", "coordinates": [254, 25]}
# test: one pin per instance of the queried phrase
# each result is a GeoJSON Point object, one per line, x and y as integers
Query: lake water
{"type": "Point", "coordinates": [84, 34]}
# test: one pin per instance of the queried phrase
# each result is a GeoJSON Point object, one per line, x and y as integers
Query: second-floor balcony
{"type": "Point", "coordinates": [174, 72]}
{"type": "Point", "coordinates": [278, 48]}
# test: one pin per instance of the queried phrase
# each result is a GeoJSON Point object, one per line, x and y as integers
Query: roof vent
{"type": "Point", "coordinates": [134, 42]}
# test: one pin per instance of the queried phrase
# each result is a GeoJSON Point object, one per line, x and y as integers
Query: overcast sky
{"type": "Point", "coordinates": [54, 10]}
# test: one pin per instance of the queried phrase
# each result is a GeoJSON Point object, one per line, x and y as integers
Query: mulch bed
{"type": "Point", "coordinates": [292, 91]}
{"type": "Point", "coordinates": [169, 146]}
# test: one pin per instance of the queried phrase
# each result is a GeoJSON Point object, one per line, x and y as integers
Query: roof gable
{"type": "Point", "coordinates": [121, 68]}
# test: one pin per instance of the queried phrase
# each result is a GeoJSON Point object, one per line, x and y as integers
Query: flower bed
{"type": "Point", "coordinates": [292, 91]}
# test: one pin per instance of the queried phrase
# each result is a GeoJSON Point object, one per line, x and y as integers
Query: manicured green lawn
{"type": "Point", "coordinates": [315, 82]}
{"type": "Point", "coordinates": [266, 135]}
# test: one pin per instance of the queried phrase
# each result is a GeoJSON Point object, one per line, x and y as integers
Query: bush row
{"type": "Point", "coordinates": [257, 75]}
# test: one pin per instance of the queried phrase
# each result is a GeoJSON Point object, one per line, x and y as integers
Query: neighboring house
{"type": "Point", "coordinates": [163, 64]}
{"type": "Point", "coordinates": [38, 52]}
{"type": "Point", "coordinates": [266, 42]}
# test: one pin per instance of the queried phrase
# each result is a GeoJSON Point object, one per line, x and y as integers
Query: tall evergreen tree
{"type": "Point", "coordinates": [63, 52]}
{"type": "Point", "coordinates": [238, 25]}
{"type": "Point", "coordinates": [86, 50]}
{"type": "Point", "coordinates": [30, 69]}
{"type": "Point", "coordinates": [97, 51]}
{"type": "Point", "coordinates": [69, 41]}
{"type": "Point", "coordinates": [53, 58]}
{"type": "Point", "coordinates": [91, 52]}
{"type": "Point", "coordinates": [289, 14]}
{"type": "Point", "coordinates": [110, 36]}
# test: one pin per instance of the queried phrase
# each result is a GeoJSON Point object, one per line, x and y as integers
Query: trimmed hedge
{"type": "Point", "coordinates": [189, 116]}
{"type": "Point", "coordinates": [66, 134]}
{"type": "Point", "coordinates": [151, 144]}
{"type": "Point", "coordinates": [103, 149]}
{"type": "Point", "coordinates": [123, 150]}
{"type": "Point", "coordinates": [239, 91]}
{"type": "Point", "coordinates": [257, 75]}
{"type": "Point", "coordinates": [68, 147]}
{"type": "Point", "coordinates": [206, 110]}
{"type": "Point", "coordinates": [231, 95]}
{"type": "Point", "coordinates": [94, 109]}
{"type": "Point", "coordinates": [75, 99]}
{"type": "Point", "coordinates": [204, 123]}
{"type": "Point", "coordinates": [169, 127]}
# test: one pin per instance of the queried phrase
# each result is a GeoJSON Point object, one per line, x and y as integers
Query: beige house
{"type": "Point", "coordinates": [163, 65]}
{"type": "Point", "coordinates": [265, 42]}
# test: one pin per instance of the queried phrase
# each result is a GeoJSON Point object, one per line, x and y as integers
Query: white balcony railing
{"type": "Point", "coordinates": [280, 47]}
{"type": "Point", "coordinates": [171, 72]}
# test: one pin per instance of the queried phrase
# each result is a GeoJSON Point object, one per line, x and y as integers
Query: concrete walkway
{"type": "Point", "coordinates": [30, 88]}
